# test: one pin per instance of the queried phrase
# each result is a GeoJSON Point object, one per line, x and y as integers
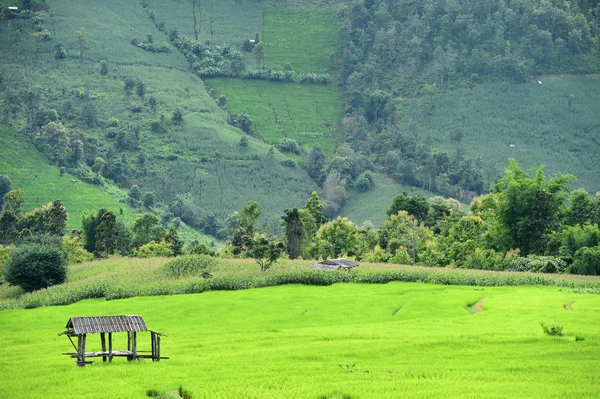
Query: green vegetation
{"type": "Point", "coordinates": [308, 114]}
{"type": "Point", "coordinates": [118, 278]}
{"type": "Point", "coordinates": [346, 339]}
{"type": "Point", "coordinates": [301, 38]}
{"type": "Point", "coordinates": [393, 50]}
{"type": "Point", "coordinates": [530, 122]}
{"type": "Point", "coordinates": [42, 183]}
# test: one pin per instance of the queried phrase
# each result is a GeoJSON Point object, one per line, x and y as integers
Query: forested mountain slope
{"type": "Point", "coordinates": [437, 91]}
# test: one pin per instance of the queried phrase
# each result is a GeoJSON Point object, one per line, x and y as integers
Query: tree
{"type": "Point", "coordinates": [529, 207]}
{"type": "Point", "coordinates": [103, 68]}
{"type": "Point", "coordinates": [147, 229]}
{"type": "Point", "coordinates": [259, 53]}
{"type": "Point", "coordinates": [5, 186]}
{"type": "Point", "coordinates": [13, 200]}
{"type": "Point", "coordinates": [315, 208]}
{"type": "Point", "coordinates": [264, 250]}
{"type": "Point", "coordinates": [404, 230]}
{"type": "Point", "coordinates": [152, 103]}
{"type": "Point", "coordinates": [106, 233]}
{"type": "Point", "coordinates": [416, 205]}
{"type": "Point", "coordinates": [82, 42]}
{"type": "Point", "coordinates": [149, 199]}
{"type": "Point", "coordinates": [294, 232]}
{"type": "Point", "coordinates": [247, 217]}
{"type": "Point", "coordinates": [176, 244]}
{"type": "Point", "coordinates": [128, 85]}
{"type": "Point", "coordinates": [141, 89]}
{"type": "Point", "coordinates": [36, 266]}
{"type": "Point", "coordinates": [49, 219]}
{"type": "Point", "coordinates": [59, 52]}
{"type": "Point", "coordinates": [177, 117]}
{"type": "Point", "coordinates": [339, 237]}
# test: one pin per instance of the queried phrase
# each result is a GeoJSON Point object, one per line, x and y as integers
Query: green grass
{"type": "Point", "coordinates": [361, 341]}
{"type": "Point", "coordinates": [534, 117]}
{"type": "Point", "coordinates": [29, 170]}
{"type": "Point", "coordinates": [309, 114]}
{"type": "Point", "coordinates": [303, 38]}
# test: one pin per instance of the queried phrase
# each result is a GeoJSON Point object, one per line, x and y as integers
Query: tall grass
{"type": "Point", "coordinates": [120, 278]}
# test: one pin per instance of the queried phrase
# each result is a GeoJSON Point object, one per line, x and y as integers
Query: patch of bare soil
{"type": "Point", "coordinates": [569, 307]}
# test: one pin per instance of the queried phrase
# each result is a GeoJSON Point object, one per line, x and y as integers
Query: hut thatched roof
{"type": "Point", "coordinates": [335, 264]}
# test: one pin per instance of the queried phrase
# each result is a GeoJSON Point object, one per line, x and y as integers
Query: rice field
{"type": "Point", "coordinates": [340, 341]}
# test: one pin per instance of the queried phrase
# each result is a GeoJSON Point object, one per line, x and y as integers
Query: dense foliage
{"type": "Point", "coordinates": [36, 266]}
{"type": "Point", "coordinates": [416, 49]}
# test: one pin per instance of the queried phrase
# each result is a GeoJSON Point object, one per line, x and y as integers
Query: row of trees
{"type": "Point", "coordinates": [527, 223]}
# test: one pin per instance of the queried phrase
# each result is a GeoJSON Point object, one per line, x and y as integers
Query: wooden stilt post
{"type": "Point", "coordinates": [79, 354]}
{"type": "Point", "coordinates": [158, 347]}
{"type": "Point", "coordinates": [103, 341]}
{"type": "Point", "coordinates": [83, 339]}
{"type": "Point", "coordinates": [134, 349]}
{"type": "Point", "coordinates": [110, 354]}
{"type": "Point", "coordinates": [153, 344]}
{"type": "Point", "coordinates": [129, 344]}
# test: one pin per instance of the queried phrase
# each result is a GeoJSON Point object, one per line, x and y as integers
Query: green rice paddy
{"type": "Point", "coordinates": [344, 340]}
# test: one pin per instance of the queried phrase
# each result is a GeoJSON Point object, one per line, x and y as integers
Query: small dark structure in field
{"type": "Point", "coordinates": [335, 264]}
{"type": "Point", "coordinates": [80, 327]}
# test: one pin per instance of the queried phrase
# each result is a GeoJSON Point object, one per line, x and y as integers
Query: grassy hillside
{"type": "Point", "coordinates": [372, 205]}
{"type": "Point", "coordinates": [536, 118]}
{"type": "Point", "coordinates": [309, 114]}
{"type": "Point", "coordinates": [303, 38]}
{"type": "Point", "coordinates": [201, 156]}
{"type": "Point", "coordinates": [307, 342]}
{"type": "Point", "coordinates": [42, 183]}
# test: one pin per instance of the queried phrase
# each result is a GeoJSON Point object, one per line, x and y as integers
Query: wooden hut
{"type": "Point", "coordinates": [335, 264]}
{"type": "Point", "coordinates": [80, 327]}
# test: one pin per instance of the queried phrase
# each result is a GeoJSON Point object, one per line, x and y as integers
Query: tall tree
{"type": "Point", "coordinates": [82, 42]}
{"type": "Point", "coordinates": [530, 206]}
{"type": "Point", "coordinates": [106, 233]}
{"type": "Point", "coordinates": [294, 232]}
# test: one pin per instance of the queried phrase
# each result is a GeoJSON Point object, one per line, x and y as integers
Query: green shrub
{"type": "Point", "coordinates": [536, 264]}
{"type": "Point", "coordinates": [201, 249]}
{"type": "Point", "coordinates": [554, 329]}
{"type": "Point", "coordinates": [36, 266]}
{"type": "Point", "coordinates": [587, 261]}
{"type": "Point", "coordinates": [4, 252]}
{"type": "Point", "coordinates": [153, 250]}
{"type": "Point", "coordinates": [190, 265]}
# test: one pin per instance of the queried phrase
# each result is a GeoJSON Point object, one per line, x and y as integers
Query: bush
{"type": "Point", "coordinates": [587, 261]}
{"type": "Point", "coordinates": [36, 266]}
{"type": "Point", "coordinates": [74, 250]}
{"type": "Point", "coordinates": [536, 264]}
{"type": "Point", "coordinates": [153, 250]}
{"type": "Point", "coordinates": [190, 265]}
{"type": "Point", "coordinates": [554, 329]}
